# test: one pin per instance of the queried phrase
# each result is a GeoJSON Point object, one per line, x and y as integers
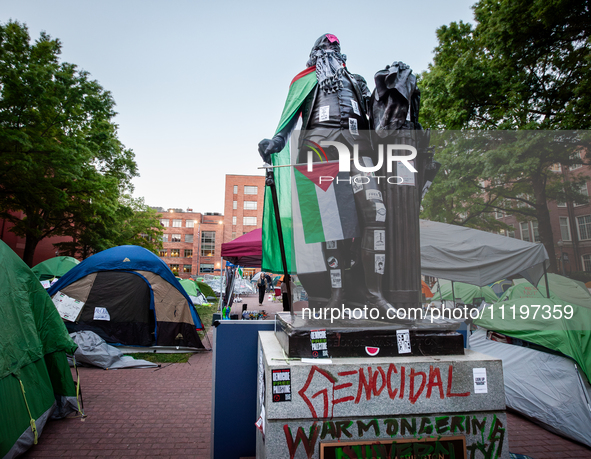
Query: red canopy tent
{"type": "Point", "coordinates": [245, 250]}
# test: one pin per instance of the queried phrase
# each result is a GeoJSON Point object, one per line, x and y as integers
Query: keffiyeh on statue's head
{"type": "Point", "coordinates": [330, 63]}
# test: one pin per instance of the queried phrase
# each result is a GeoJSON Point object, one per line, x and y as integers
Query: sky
{"type": "Point", "coordinates": [198, 84]}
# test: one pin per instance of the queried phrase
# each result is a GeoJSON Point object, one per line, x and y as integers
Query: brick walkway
{"type": "Point", "coordinates": [167, 413]}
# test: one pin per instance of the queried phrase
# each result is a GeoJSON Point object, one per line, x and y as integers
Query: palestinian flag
{"type": "Point", "coordinates": [301, 86]}
{"type": "Point", "coordinates": [327, 208]}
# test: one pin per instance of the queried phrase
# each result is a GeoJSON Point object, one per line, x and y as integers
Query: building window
{"type": "Point", "coordinates": [576, 157]}
{"type": "Point", "coordinates": [234, 205]}
{"type": "Point", "coordinates": [249, 221]}
{"type": "Point", "coordinates": [584, 227]}
{"type": "Point", "coordinates": [206, 268]}
{"type": "Point", "coordinates": [233, 220]}
{"type": "Point", "coordinates": [233, 234]}
{"type": "Point", "coordinates": [188, 253]}
{"type": "Point", "coordinates": [208, 244]}
{"type": "Point", "coordinates": [498, 215]}
{"type": "Point", "coordinates": [251, 189]}
{"type": "Point", "coordinates": [174, 269]}
{"type": "Point", "coordinates": [564, 228]}
{"type": "Point", "coordinates": [164, 222]}
{"type": "Point", "coordinates": [235, 189]}
{"type": "Point", "coordinates": [188, 238]}
{"type": "Point", "coordinates": [190, 223]}
{"type": "Point", "coordinates": [586, 262]}
{"type": "Point", "coordinates": [511, 232]}
{"type": "Point", "coordinates": [165, 238]}
{"type": "Point", "coordinates": [560, 204]}
{"type": "Point", "coordinates": [534, 225]}
{"type": "Point", "coordinates": [556, 167]}
{"type": "Point", "coordinates": [524, 231]}
{"type": "Point", "coordinates": [177, 223]}
{"type": "Point", "coordinates": [186, 268]}
{"type": "Point", "coordinates": [175, 238]}
{"type": "Point", "coordinates": [162, 253]}
{"type": "Point", "coordinates": [175, 252]}
{"type": "Point", "coordinates": [250, 205]}
{"type": "Point", "coordinates": [583, 190]}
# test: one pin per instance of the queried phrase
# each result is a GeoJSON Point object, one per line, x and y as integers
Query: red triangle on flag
{"type": "Point", "coordinates": [324, 170]}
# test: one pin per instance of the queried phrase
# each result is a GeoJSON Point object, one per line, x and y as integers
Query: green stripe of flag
{"type": "Point", "coordinates": [311, 217]}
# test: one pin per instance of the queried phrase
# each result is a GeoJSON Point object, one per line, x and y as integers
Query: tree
{"type": "Point", "coordinates": [61, 162]}
{"type": "Point", "coordinates": [132, 222]}
{"type": "Point", "coordinates": [524, 66]}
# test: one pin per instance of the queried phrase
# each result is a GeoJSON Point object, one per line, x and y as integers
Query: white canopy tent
{"type": "Point", "coordinates": [476, 257]}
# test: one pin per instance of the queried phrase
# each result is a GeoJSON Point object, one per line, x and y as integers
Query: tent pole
{"type": "Point", "coordinates": [453, 293]}
{"type": "Point", "coordinates": [546, 279]}
{"type": "Point", "coordinates": [221, 286]}
{"type": "Point", "coordinates": [270, 182]}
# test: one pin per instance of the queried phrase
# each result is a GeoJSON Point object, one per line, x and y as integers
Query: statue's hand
{"type": "Point", "coordinates": [268, 147]}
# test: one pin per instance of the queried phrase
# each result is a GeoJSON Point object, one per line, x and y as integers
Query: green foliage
{"type": "Point", "coordinates": [61, 162]}
{"type": "Point", "coordinates": [524, 66]}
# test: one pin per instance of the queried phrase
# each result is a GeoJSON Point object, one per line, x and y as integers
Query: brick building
{"type": "Point", "coordinates": [192, 241]}
{"type": "Point", "coordinates": [243, 206]}
{"type": "Point", "coordinates": [571, 226]}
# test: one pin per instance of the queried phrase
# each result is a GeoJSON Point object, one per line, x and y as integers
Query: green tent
{"type": "Point", "coordinates": [561, 323]}
{"type": "Point", "coordinates": [193, 291]}
{"type": "Point", "coordinates": [465, 292]}
{"type": "Point", "coordinates": [35, 378]}
{"type": "Point", "coordinates": [54, 267]}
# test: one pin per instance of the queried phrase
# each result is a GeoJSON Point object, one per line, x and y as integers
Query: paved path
{"type": "Point", "coordinates": [167, 413]}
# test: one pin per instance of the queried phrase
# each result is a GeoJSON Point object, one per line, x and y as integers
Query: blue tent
{"type": "Point", "coordinates": [129, 296]}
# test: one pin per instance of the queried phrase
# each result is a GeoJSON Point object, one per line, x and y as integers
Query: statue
{"type": "Point", "coordinates": [337, 109]}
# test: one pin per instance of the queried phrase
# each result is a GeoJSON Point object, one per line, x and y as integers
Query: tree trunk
{"type": "Point", "coordinates": [544, 224]}
{"type": "Point", "coordinates": [30, 246]}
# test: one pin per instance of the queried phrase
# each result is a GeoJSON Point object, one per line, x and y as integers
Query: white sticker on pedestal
{"type": "Point", "coordinates": [355, 106]}
{"type": "Point", "coordinates": [335, 278]}
{"type": "Point", "coordinates": [353, 126]}
{"type": "Point", "coordinates": [101, 314]}
{"type": "Point", "coordinates": [480, 385]}
{"type": "Point", "coordinates": [379, 239]}
{"type": "Point", "coordinates": [380, 261]}
{"type": "Point", "coordinates": [380, 212]}
{"type": "Point", "coordinates": [323, 114]}
{"type": "Point", "coordinates": [403, 339]}
{"type": "Point", "coordinates": [330, 245]}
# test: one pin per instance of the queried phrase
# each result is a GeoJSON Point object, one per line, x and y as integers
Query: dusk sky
{"type": "Point", "coordinates": [199, 84]}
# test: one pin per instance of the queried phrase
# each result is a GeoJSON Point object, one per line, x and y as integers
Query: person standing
{"type": "Point", "coordinates": [262, 286]}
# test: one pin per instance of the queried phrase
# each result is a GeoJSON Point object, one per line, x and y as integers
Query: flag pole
{"type": "Point", "coordinates": [270, 182]}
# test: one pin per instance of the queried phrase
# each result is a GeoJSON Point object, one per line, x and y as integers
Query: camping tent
{"type": "Point", "coordinates": [465, 292]}
{"type": "Point", "coordinates": [193, 291]}
{"type": "Point", "coordinates": [246, 250]}
{"type": "Point", "coordinates": [547, 388]}
{"type": "Point", "coordinates": [128, 296]}
{"type": "Point", "coordinates": [35, 379]}
{"type": "Point", "coordinates": [54, 267]}
{"type": "Point", "coordinates": [559, 323]}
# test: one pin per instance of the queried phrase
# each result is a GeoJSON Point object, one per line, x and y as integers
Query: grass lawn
{"type": "Point", "coordinates": [162, 358]}
{"type": "Point", "coordinates": [206, 314]}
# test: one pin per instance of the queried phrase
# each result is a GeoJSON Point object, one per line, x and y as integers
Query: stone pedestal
{"type": "Point", "coordinates": [370, 407]}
